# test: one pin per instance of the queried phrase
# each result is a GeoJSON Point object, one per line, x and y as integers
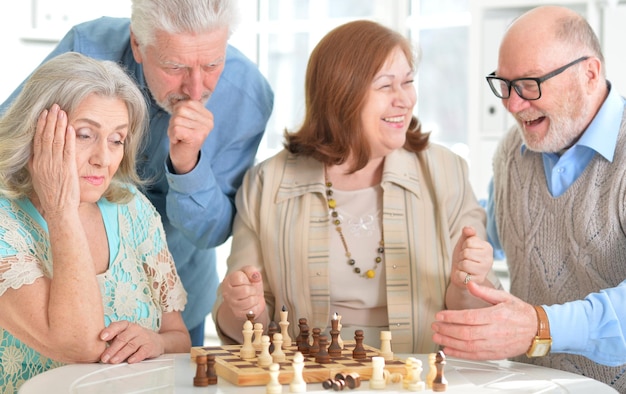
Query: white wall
{"type": "Point", "coordinates": [29, 29]}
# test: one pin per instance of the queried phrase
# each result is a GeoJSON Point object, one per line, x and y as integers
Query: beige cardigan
{"type": "Point", "coordinates": [282, 228]}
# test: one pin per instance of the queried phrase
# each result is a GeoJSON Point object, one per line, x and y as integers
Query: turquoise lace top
{"type": "Point", "coordinates": [140, 284]}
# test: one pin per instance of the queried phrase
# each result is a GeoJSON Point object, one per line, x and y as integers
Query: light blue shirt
{"type": "Point", "coordinates": [596, 326]}
{"type": "Point", "coordinates": [197, 208]}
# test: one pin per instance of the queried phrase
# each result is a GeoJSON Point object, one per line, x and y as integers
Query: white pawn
{"type": "Point", "coordinates": [416, 383]}
{"type": "Point", "coordinates": [284, 328]}
{"type": "Point", "coordinates": [385, 345]}
{"type": "Point", "coordinates": [265, 358]}
{"type": "Point", "coordinates": [274, 386]}
{"type": "Point", "coordinates": [378, 381]}
{"type": "Point", "coordinates": [278, 355]}
{"type": "Point", "coordinates": [258, 333]}
{"type": "Point", "coordinates": [408, 367]}
{"type": "Point", "coordinates": [247, 351]}
{"type": "Point", "coordinates": [297, 385]}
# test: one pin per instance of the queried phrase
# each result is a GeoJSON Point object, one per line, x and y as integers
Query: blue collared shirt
{"type": "Point", "coordinates": [196, 208]}
{"type": "Point", "coordinates": [600, 319]}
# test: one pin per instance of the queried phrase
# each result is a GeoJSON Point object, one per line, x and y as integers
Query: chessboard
{"type": "Point", "coordinates": [229, 366]}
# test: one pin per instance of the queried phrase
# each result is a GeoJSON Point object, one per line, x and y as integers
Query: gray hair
{"type": "Point", "coordinates": [67, 80]}
{"type": "Point", "coordinates": [181, 16]}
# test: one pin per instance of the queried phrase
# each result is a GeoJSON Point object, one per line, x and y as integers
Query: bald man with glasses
{"type": "Point", "coordinates": [557, 208]}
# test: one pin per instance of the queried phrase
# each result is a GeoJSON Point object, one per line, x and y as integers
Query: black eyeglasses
{"type": "Point", "coordinates": [526, 88]}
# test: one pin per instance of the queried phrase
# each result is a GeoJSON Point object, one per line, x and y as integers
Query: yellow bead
{"type": "Point", "coordinates": [332, 204]}
{"type": "Point", "coordinates": [370, 274]}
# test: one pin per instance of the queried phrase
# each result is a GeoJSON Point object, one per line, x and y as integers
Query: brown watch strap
{"type": "Point", "coordinates": [543, 325]}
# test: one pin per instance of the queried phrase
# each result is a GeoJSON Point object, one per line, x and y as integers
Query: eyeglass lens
{"type": "Point", "coordinates": [526, 88]}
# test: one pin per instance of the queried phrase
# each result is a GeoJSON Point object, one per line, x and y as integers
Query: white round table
{"type": "Point", "coordinates": [174, 373]}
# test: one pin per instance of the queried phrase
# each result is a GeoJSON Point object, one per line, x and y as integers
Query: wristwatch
{"type": "Point", "coordinates": [542, 342]}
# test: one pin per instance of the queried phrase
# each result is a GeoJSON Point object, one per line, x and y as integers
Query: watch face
{"type": "Point", "coordinates": [540, 347]}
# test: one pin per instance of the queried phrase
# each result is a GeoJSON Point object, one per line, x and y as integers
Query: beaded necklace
{"type": "Point", "coordinates": [332, 204]}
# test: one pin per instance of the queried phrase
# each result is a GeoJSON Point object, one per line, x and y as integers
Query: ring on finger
{"type": "Point", "coordinates": [468, 277]}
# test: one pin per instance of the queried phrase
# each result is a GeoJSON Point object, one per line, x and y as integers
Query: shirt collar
{"type": "Point", "coordinates": [601, 134]}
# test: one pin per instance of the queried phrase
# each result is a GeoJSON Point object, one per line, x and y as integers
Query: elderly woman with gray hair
{"type": "Point", "coordinates": [85, 272]}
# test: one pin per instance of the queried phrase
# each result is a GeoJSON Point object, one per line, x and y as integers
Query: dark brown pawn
{"type": "Point", "coordinates": [315, 347]}
{"type": "Point", "coordinates": [303, 338]}
{"type": "Point", "coordinates": [328, 383]}
{"type": "Point", "coordinates": [201, 379]}
{"type": "Point", "coordinates": [271, 330]}
{"type": "Point", "coordinates": [440, 383]}
{"type": "Point", "coordinates": [338, 385]}
{"type": "Point", "coordinates": [210, 369]}
{"type": "Point", "coordinates": [359, 351]}
{"type": "Point", "coordinates": [322, 356]}
{"type": "Point", "coordinates": [353, 380]}
{"type": "Point", "coordinates": [340, 376]}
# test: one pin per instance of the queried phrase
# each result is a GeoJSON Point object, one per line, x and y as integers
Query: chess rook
{"type": "Point", "coordinates": [385, 345]}
{"type": "Point", "coordinates": [377, 381]}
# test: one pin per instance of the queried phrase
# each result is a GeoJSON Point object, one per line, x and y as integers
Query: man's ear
{"type": "Point", "coordinates": [134, 45]}
{"type": "Point", "coordinates": [593, 73]}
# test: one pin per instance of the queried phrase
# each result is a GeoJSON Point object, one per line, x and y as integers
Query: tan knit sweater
{"type": "Point", "coordinates": [561, 249]}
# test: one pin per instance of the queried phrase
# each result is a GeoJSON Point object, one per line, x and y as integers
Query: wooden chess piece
{"type": "Point", "coordinates": [359, 351]}
{"type": "Point", "coordinates": [274, 386]}
{"type": "Point", "coordinates": [201, 379]}
{"type": "Point", "coordinates": [353, 380]}
{"type": "Point", "coordinates": [315, 346]}
{"type": "Point", "coordinates": [440, 383]}
{"type": "Point", "coordinates": [297, 385]}
{"type": "Point", "coordinates": [338, 385]}
{"type": "Point", "coordinates": [377, 380]}
{"type": "Point", "coordinates": [385, 346]}
{"type": "Point", "coordinates": [322, 356]}
{"type": "Point", "coordinates": [284, 327]}
{"type": "Point", "coordinates": [250, 316]}
{"type": "Point", "coordinates": [408, 372]}
{"type": "Point", "coordinates": [247, 351]}
{"type": "Point", "coordinates": [303, 338]}
{"type": "Point", "coordinates": [432, 370]}
{"type": "Point", "coordinates": [334, 350]}
{"type": "Point", "coordinates": [339, 326]}
{"type": "Point", "coordinates": [416, 383]}
{"type": "Point", "coordinates": [258, 333]}
{"type": "Point", "coordinates": [278, 355]}
{"type": "Point", "coordinates": [265, 358]}
{"type": "Point", "coordinates": [271, 330]}
{"type": "Point", "coordinates": [210, 369]}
